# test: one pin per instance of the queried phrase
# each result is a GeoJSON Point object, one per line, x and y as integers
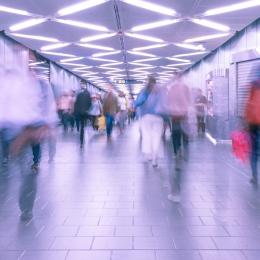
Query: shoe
{"type": "Point", "coordinates": [108, 138]}
{"type": "Point", "coordinates": [154, 163]}
{"type": "Point", "coordinates": [51, 160]}
{"type": "Point", "coordinates": [254, 180]}
{"type": "Point", "coordinates": [26, 215]}
{"type": "Point", "coordinates": [174, 198]}
{"type": "Point", "coordinates": [5, 162]}
{"type": "Point", "coordinates": [35, 166]}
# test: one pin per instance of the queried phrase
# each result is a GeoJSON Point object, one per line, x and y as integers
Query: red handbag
{"type": "Point", "coordinates": [241, 145]}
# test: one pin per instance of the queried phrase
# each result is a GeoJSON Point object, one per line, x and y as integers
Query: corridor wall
{"type": "Point", "coordinates": [13, 55]}
{"type": "Point", "coordinates": [219, 60]}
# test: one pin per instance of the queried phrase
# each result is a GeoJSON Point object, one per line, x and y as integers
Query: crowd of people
{"type": "Point", "coordinates": [155, 107]}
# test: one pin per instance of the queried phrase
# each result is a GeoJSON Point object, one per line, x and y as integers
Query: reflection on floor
{"type": "Point", "coordinates": [105, 202]}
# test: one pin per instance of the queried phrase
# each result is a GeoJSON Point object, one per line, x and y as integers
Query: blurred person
{"type": "Point", "coordinates": [110, 108]}
{"type": "Point", "coordinates": [64, 105]}
{"type": "Point", "coordinates": [27, 196]}
{"type": "Point", "coordinates": [82, 105]}
{"type": "Point", "coordinates": [252, 117]}
{"type": "Point", "coordinates": [95, 111]}
{"type": "Point", "coordinates": [131, 110]}
{"type": "Point", "coordinates": [72, 115]}
{"type": "Point", "coordinates": [151, 121]}
{"type": "Point", "coordinates": [200, 104]}
{"type": "Point", "coordinates": [176, 104]}
{"type": "Point", "coordinates": [123, 109]}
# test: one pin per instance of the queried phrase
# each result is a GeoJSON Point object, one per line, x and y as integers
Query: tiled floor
{"type": "Point", "coordinates": [105, 202]}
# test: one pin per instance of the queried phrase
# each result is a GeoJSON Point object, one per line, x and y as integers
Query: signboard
{"type": "Point", "coordinates": [126, 81]}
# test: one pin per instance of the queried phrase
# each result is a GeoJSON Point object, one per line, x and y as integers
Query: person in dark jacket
{"type": "Point", "coordinates": [82, 105]}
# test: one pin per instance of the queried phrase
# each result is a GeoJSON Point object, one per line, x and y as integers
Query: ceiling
{"type": "Point", "coordinates": [112, 54]}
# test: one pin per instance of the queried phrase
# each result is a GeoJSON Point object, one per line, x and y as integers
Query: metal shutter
{"type": "Point", "coordinates": [246, 72]}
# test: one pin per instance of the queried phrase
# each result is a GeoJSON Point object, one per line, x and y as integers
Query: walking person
{"type": "Point", "coordinates": [151, 121]}
{"type": "Point", "coordinates": [123, 109]}
{"type": "Point", "coordinates": [82, 105]}
{"type": "Point", "coordinates": [252, 117]}
{"type": "Point", "coordinates": [200, 104]}
{"type": "Point", "coordinates": [95, 111]}
{"type": "Point", "coordinates": [110, 108]}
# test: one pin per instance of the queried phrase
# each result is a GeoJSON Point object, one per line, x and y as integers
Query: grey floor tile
{"type": "Point", "coordinates": [223, 255]}
{"type": "Point", "coordinates": [24, 243]}
{"type": "Point", "coordinates": [9, 255]}
{"type": "Point", "coordinates": [190, 243]}
{"type": "Point", "coordinates": [84, 221]}
{"type": "Point", "coordinates": [133, 254]}
{"type": "Point", "coordinates": [71, 243]}
{"type": "Point", "coordinates": [207, 231]}
{"type": "Point", "coordinates": [90, 254]}
{"type": "Point", "coordinates": [96, 231]}
{"type": "Point", "coordinates": [239, 243]}
{"type": "Point", "coordinates": [170, 231]}
{"type": "Point", "coordinates": [113, 221]}
{"type": "Point", "coordinates": [133, 231]}
{"type": "Point", "coordinates": [44, 255]}
{"type": "Point", "coordinates": [251, 254]}
{"type": "Point", "coordinates": [177, 254]}
{"type": "Point", "coordinates": [153, 243]}
{"type": "Point", "coordinates": [107, 243]}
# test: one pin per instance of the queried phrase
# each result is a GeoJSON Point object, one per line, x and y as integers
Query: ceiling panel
{"type": "Point", "coordinates": [115, 13]}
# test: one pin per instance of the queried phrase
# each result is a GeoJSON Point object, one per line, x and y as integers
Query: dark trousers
{"type": "Point", "coordinates": [36, 150]}
{"type": "Point", "coordinates": [255, 135]}
{"type": "Point", "coordinates": [201, 124]}
{"type": "Point", "coordinates": [177, 135]}
{"type": "Point", "coordinates": [82, 119]}
{"type": "Point", "coordinates": [93, 119]}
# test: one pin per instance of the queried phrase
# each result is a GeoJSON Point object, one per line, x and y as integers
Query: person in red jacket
{"type": "Point", "coordinates": [252, 117]}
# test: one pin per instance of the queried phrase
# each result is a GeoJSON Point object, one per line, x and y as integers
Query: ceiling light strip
{"type": "Point", "coordinates": [143, 37]}
{"type": "Point", "coordinates": [154, 25]}
{"type": "Point", "coordinates": [232, 8]}
{"type": "Point", "coordinates": [79, 7]}
{"type": "Point", "coordinates": [26, 24]}
{"type": "Point", "coordinates": [151, 7]}
{"type": "Point", "coordinates": [210, 24]}
{"type": "Point", "coordinates": [55, 46]}
{"type": "Point", "coordinates": [34, 37]}
{"type": "Point", "coordinates": [208, 37]}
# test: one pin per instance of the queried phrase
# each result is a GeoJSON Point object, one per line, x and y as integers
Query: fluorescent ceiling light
{"type": "Point", "coordinates": [57, 53]}
{"type": "Point", "coordinates": [190, 46]}
{"type": "Point", "coordinates": [191, 54]}
{"type": "Point", "coordinates": [54, 46]}
{"type": "Point", "coordinates": [140, 69]}
{"type": "Point", "coordinates": [84, 25]}
{"type": "Point", "coordinates": [180, 64]}
{"type": "Point", "coordinates": [112, 64]}
{"type": "Point", "coordinates": [171, 68]}
{"type": "Point", "coordinates": [105, 54]}
{"type": "Point", "coordinates": [81, 6]}
{"type": "Point", "coordinates": [207, 37]}
{"type": "Point", "coordinates": [14, 11]}
{"type": "Point", "coordinates": [140, 64]}
{"type": "Point", "coordinates": [72, 64]}
{"type": "Point", "coordinates": [176, 59]}
{"type": "Point", "coordinates": [106, 68]}
{"type": "Point", "coordinates": [143, 37]}
{"type": "Point", "coordinates": [97, 37]}
{"type": "Point", "coordinates": [89, 74]}
{"type": "Point", "coordinates": [26, 24]}
{"type": "Point", "coordinates": [102, 59]}
{"type": "Point", "coordinates": [210, 24]}
{"type": "Point", "coordinates": [141, 53]}
{"type": "Point", "coordinates": [41, 38]}
{"type": "Point", "coordinates": [153, 25]}
{"type": "Point", "coordinates": [83, 68]}
{"type": "Point", "coordinates": [91, 77]}
{"type": "Point", "coordinates": [72, 59]}
{"type": "Point", "coordinates": [151, 7]}
{"type": "Point", "coordinates": [146, 60]}
{"type": "Point", "coordinates": [92, 46]}
{"type": "Point", "coordinates": [36, 63]}
{"type": "Point", "coordinates": [150, 47]}
{"type": "Point", "coordinates": [232, 8]}
{"type": "Point", "coordinates": [113, 71]}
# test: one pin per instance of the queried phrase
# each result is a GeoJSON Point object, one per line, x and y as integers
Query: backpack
{"type": "Point", "coordinates": [252, 108]}
{"type": "Point", "coordinates": [83, 102]}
